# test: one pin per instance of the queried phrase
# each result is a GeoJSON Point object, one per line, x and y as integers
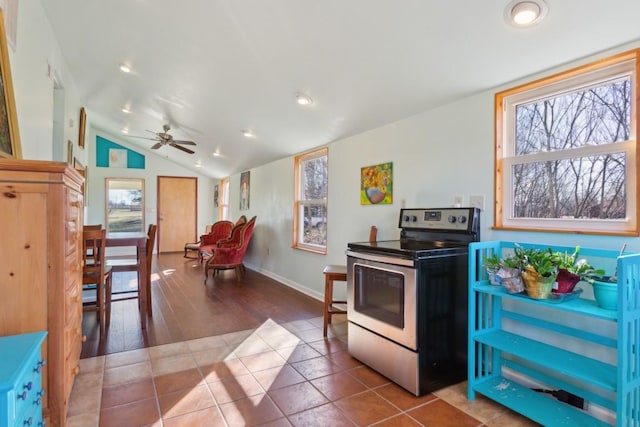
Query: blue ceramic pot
{"type": "Point", "coordinates": [606, 294]}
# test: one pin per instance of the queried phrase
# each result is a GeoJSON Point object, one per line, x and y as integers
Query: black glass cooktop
{"type": "Point", "coordinates": [409, 248]}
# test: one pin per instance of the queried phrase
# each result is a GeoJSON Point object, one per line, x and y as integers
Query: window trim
{"type": "Point", "coordinates": [569, 79]}
{"type": "Point", "coordinates": [223, 198]}
{"type": "Point", "coordinates": [321, 152]}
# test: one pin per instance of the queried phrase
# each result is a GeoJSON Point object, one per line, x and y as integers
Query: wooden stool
{"type": "Point", "coordinates": [332, 273]}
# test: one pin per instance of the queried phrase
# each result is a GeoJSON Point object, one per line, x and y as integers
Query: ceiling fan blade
{"type": "Point", "coordinates": [178, 141]}
{"type": "Point", "coordinates": [186, 150]}
{"type": "Point", "coordinates": [156, 146]}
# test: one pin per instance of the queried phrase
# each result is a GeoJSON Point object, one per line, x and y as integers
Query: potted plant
{"type": "Point", "coordinates": [509, 270]}
{"type": "Point", "coordinates": [540, 272]}
{"type": "Point", "coordinates": [605, 289]}
{"type": "Point", "coordinates": [571, 270]}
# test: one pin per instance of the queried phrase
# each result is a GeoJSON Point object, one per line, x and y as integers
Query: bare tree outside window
{"type": "Point", "coordinates": [579, 187]}
{"type": "Point", "coordinates": [565, 151]}
{"type": "Point", "coordinates": [311, 201]}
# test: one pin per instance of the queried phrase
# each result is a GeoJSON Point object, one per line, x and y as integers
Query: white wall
{"type": "Point", "coordinates": [34, 63]}
{"type": "Point", "coordinates": [437, 154]}
{"type": "Point", "coordinates": [155, 164]}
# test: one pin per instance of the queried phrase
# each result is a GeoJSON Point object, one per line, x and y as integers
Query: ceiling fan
{"type": "Point", "coordinates": [164, 138]}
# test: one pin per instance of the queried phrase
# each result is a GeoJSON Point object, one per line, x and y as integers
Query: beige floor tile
{"type": "Point", "coordinates": [167, 350]}
{"type": "Point", "coordinates": [171, 364]}
{"type": "Point", "coordinates": [206, 343]}
{"type": "Point", "coordinates": [127, 373]}
{"type": "Point", "coordinates": [126, 358]}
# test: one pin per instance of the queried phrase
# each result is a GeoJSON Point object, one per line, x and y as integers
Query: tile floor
{"type": "Point", "coordinates": [275, 375]}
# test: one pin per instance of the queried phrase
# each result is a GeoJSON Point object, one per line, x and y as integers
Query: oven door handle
{"type": "Point", "coordinates": [383, 259]}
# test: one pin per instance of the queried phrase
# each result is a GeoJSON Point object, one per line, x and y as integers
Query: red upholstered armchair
{"type": "Point", "coordinates": [220, 230]}
{"type": "Point", "coordinates": [230, 253]}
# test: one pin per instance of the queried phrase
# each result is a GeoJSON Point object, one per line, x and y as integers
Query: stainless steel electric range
{"type": "Point", "coordinates": [407, 299]}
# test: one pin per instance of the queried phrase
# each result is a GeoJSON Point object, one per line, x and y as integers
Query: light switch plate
{"type": "Point", "coordinates": [476, 202]}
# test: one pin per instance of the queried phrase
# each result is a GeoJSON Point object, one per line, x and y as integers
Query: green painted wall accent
{"type": "Point", "coordinates": [135, 160]}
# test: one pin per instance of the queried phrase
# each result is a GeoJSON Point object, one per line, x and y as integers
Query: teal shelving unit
{"type": "Point", "coordinates": [509, 332]}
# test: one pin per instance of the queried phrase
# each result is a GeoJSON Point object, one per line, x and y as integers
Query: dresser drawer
{"type": "Point", "coordinates": [73, 306]}
{"type": "Point", "coordinates": [21, 392]}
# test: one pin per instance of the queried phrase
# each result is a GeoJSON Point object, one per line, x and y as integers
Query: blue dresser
{"type": "Point", "coordinates": [21, 389]}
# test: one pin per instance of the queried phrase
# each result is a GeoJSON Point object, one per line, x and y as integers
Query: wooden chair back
{"type": "Point", "coordinates": [96, 275]}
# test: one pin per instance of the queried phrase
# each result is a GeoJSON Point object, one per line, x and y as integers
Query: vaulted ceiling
{"type": "Point", "coordinates": [212, 69]}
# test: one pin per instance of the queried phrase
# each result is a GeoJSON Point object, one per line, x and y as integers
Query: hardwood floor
{"type": "Point", "coordinates": [185, 307]}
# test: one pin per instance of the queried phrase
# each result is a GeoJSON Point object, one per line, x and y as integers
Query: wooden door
{"type": "Point", "coordinates": [177, 212]}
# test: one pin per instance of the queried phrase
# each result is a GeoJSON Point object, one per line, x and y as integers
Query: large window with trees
{"type": "Point", "coordinates": [566, 152]}
{"type": "Point", "coordinates": [310, 210]}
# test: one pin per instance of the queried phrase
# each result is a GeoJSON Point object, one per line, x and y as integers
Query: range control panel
{"type": "Point", "coordinates": [456, 219]}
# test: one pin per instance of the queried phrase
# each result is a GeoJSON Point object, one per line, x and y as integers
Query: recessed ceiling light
{"type": "Point", "coordinates": [198, 165]}
{"type": "Point", "coordinates": [525, 13]}
{"type": "Point", "coordinates": [126, 109]}
{"type": "Point", "coordinates": [248, 134]}
{"type": "Point", "coordinates": [125, 130]}
{"type": "Point", "coordinates": [216, 153]}
{"type": "Point", "coordinates": [303, 99]}
{"type": "Point", "coordinates": [125, 68]}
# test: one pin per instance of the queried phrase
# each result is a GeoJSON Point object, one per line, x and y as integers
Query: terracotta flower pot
{"type": "Point", "coordinates": [566, 281]}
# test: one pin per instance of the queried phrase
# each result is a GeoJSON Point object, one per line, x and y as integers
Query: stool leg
{"type": "Point", "coordinates": [328, 298]}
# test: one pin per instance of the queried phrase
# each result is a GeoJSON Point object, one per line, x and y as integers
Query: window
{"type": "Point", "coordinates": [125, 205]}
{"type": "Point", "coordinates": [566, 151]}
{"type": "Point", "coordinates": [310, 202]}
{"type": "Point", "coordinates": [223, 213]}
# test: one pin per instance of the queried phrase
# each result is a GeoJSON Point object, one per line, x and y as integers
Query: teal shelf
{"type": "Point", "coordinates": [496, 351]}
{"type": "Point", "coordinates": [562, 361]}
{"type": "Point", "coordinates": [539, 407]}
{"type": "Point", "coordinates": [578, 305]}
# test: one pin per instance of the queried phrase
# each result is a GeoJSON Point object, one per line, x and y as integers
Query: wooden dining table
{"type": "Point", "coordinates": [139, 241]}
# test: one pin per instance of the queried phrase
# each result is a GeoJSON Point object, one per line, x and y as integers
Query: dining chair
{"type": "Point", "coordinates": [133, 264]}
{"type": "Point", "coordinates": [96, 276]}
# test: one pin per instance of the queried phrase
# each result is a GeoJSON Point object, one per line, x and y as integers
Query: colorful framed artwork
{"type": "Point", "coordinates": [9, 136]}
{"type": "Point", "coordinates": [244, 190]}
{"type": "Point", "coordinates": [376, 184]}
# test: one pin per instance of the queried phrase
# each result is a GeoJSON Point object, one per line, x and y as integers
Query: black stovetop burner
{"type": "Point", "coordinates": [428, 232]}
{"type": "Point", "coordinates": [409, 248]}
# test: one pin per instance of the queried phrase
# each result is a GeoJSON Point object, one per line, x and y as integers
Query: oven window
{"type": "Point", "coordinates": [379, 294]}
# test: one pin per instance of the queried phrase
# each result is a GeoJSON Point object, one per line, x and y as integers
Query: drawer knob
{"type": "Point", "coordinates": [40, 393]}
{"type": "Point", "coordinates": [23, 395]}
{"type": "Point", "coordinates": [37, 402]}
{"type": "Point", "coordinates": [76, 370]}
{"type": "Point", "coordinates": [28, 421]}
{"type": "Point", "coordinates": [39, 366]}
{"type": "Point", "coordinates": [28, 385]}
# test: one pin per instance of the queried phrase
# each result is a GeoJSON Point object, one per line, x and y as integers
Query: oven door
{"type": "Point", "coordinates": [381, 296]}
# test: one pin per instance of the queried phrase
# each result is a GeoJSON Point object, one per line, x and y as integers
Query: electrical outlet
{"type": "Point", "coordinates": [457, 201]}
{"type": "Point", "coordinates": [476, 202]}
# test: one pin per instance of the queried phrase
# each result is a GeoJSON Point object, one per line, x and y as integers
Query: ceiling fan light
{"type": "Point", "coordinates": [125, 68]}
{"type": "Point", "coordinates": [216, 153]}
{"type": "Point", "coordinates": [247, 134]}
{"type": "Point", "coordinates": [526, 13]}
{"type": "Point", "coordinates": [126, 109]}
{"type": "Point", "coordinates": [125, 130]}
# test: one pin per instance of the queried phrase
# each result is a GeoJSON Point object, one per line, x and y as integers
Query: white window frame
{"type": "Point", "coordinates": [625, 64]}
{"type": "Point", "coordinates": [299, 203]}
{"type": "Point", "coordinates": [223, 201]}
